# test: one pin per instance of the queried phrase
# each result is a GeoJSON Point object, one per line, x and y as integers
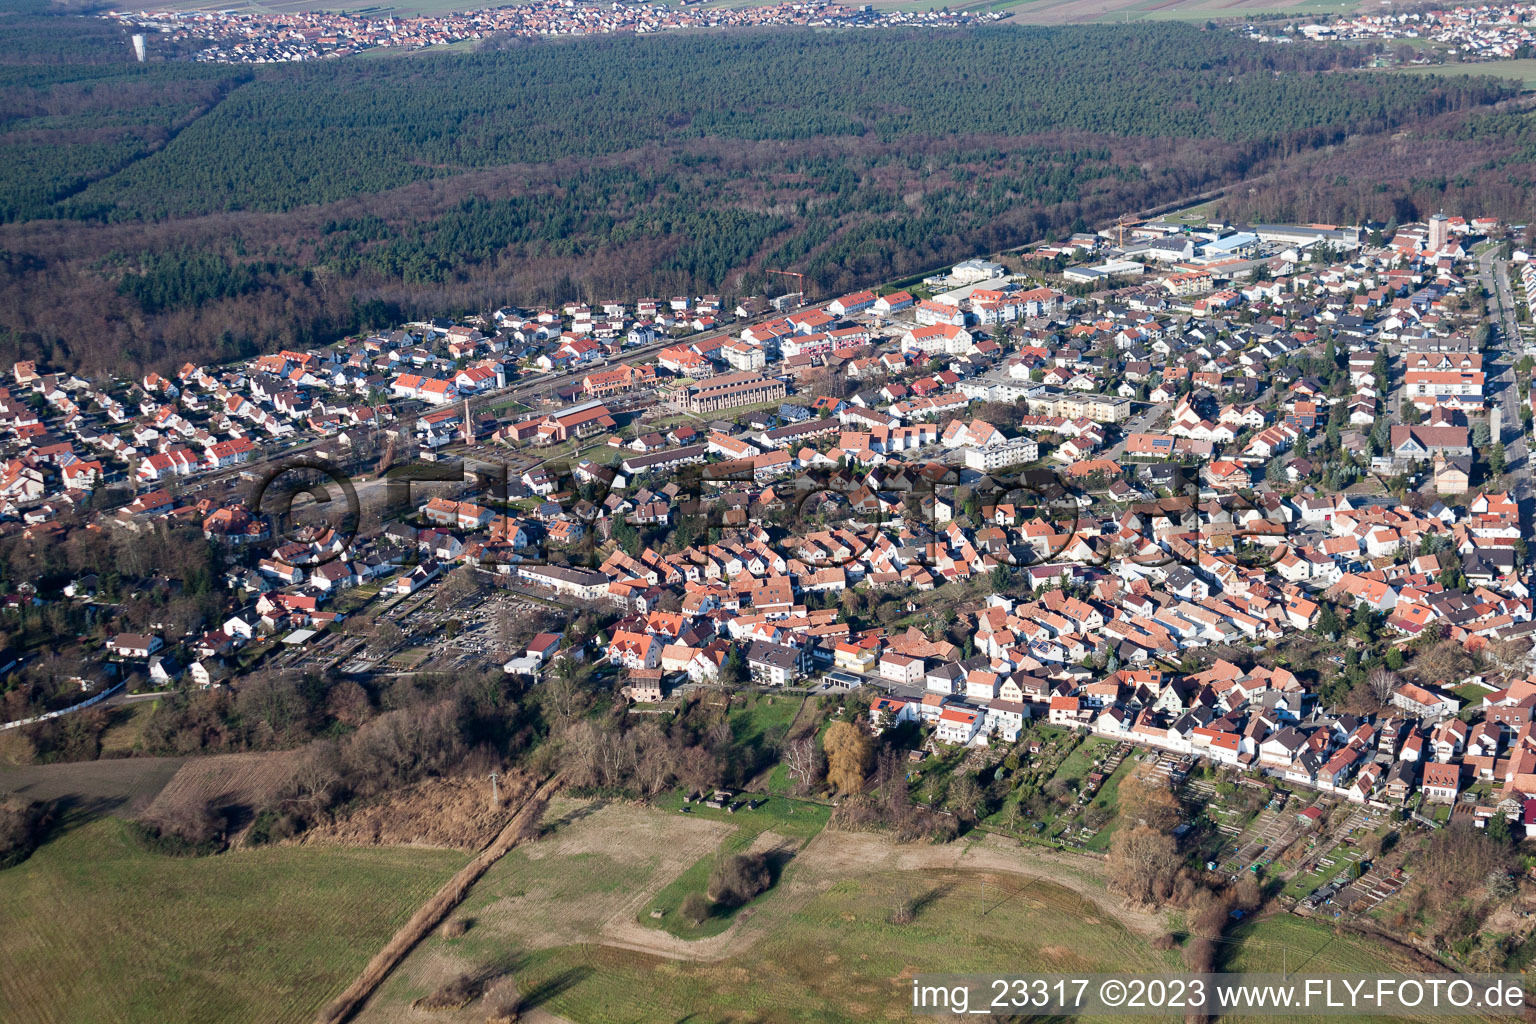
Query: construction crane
{"type": "Point", "coordinates": [1120, 226]}
{"type": "Point", "coordinates": [799, 281]}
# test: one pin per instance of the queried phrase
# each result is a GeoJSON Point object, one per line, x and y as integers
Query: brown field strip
{"type": "Point", "coordinates": [434, 910]}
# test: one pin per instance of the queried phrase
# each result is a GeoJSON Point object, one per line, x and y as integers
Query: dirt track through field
{"type": "Point", "coordinates": [624, 931]}
{"type": "Point", "coordinates": [834, 856]}
{"type": "Point", "coordinates": [434, 910]}
{"type": "Point", "coordinates": [627, 854]}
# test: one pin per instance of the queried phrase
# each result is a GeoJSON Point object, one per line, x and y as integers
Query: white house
{"type": "Point", "coordinates": [135, 645]}
{"type": "Point", "coordinates": [899, 668]}
{"type": "Point", "coordinates": [958, 725]}
{"type": "Point", "coordinates": [892, 710]}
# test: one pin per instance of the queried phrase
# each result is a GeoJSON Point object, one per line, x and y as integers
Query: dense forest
{"type": "Point", "coordinates": [1479, 163]}
{"type": "Point", "coordinates": [170, 210]}
{"type": "Point", "coordinates": [320, 132]}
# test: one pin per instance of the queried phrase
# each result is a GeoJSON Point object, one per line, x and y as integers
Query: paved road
{"type": "Point", "coordinates": [1502, 387]}
{"type": "Point", "coordinates": [119, 699]}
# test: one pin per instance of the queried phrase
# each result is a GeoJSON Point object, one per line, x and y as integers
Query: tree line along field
{"type": "Point", "coordinates": [94, 928]}
{"type": "Point", "coordinates": [213, 211]}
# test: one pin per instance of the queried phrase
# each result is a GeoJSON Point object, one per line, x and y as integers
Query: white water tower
{"type": "Point", "coordinates": [138, 46]}
{"type": "Point", "coordinates": [1439, 231]}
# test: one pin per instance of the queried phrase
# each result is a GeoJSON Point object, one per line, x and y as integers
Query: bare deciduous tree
{"type": "Point", "coordinates": [388, 635]}
{"type": "Point", "coordinates": [737, 879]}
{"type": "Point", "coordinates": [1143, 865]}
{"type": "Point", "coordinates": [965, 799]}
{"type": "Point", "coordinates": [561, 693]}
{"type": "Point", "coordinates": [317, 775]}
{"type": "Point", "coordinates": [187, 816]}
{"type": "Point", "coordinates": [348, 703]}
{"type": "Point", "coordinates": [1458, 859]}
{"type": "Point", "coordinates": [697, 768]}
{"type": "Point", "coordinates": [1150, 802]}
{"type": "Point", "coordinates": [405, 745]}
{"type": "Point", "coordinates": [503, 1002]}
{"type": "Point", "coordinates": [1447, 661]}
{"type": "Point", "coordinates": [461, 583]}
{"type": "Point", "coordinates": [803, 762]}
{"type": "Point", "coordinates": [655, 759]}
{"type": "Point", "coordinates": [1511, 654]}
{"type": "Point", "coordinates": [581, 748]}
{"type": "Point", "coordinates": [1382, 684]}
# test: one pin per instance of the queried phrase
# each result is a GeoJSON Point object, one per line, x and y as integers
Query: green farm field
{"type": "Point", "coordinates": [561, 914]}
{"type": "Point", "coordinates": [93, 928]}
{"type": "Point", "coordinates": [1523, 71]}
{"type": "Point", "coordinates": [1079, 12]}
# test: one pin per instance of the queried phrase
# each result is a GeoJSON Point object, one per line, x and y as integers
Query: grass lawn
{"type": "Point", "coordinates": [1108, 797]}
{"type": "Point", "coordinates": [508, 405]}
{"type": "Point", "coordinates": [934, 773]}
{"type": "Point", "coordinates": [253, 652]}
{"type": "Point", "coordinates": [820, 948]}
{"type": "Point", "coordinates": [756, 725]}
{"type": "Point", "coordinates": [350, 600]}
{"type": "Point", "coordinates": [1193, 216]}
{"type": "Point", "coordinates": [1343, 858]}
{"type": "Point", "coordinates": [411, 659]}
{"type": "Point", "coordinates": [1040, 769]}
{"type": "Point", "coordinates": [669, 901]}
{"type": "Point", "coordinates": [1284, 942]}
{"type": "Point", "coordinates": [1079, 763]}
{"type": "Point", "coordinates": [1523, 71]}
{"type": "Point", "coordinates": [778, 782]}
{"type": "Point", "coordinates": [93, 928]}
{"type": "Point", "coordinates": [662, 424]}
{"type": "Point", "coordinates": [127, 727]}
{"type": "Point", "coordinates": [793, 819]}
{"type": "Point", "coordinates": [840, 959]}
{"type": "Point", "coordinates": [1288, 942]}
{"type": "Point", "coordinates": [1472, 693]}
